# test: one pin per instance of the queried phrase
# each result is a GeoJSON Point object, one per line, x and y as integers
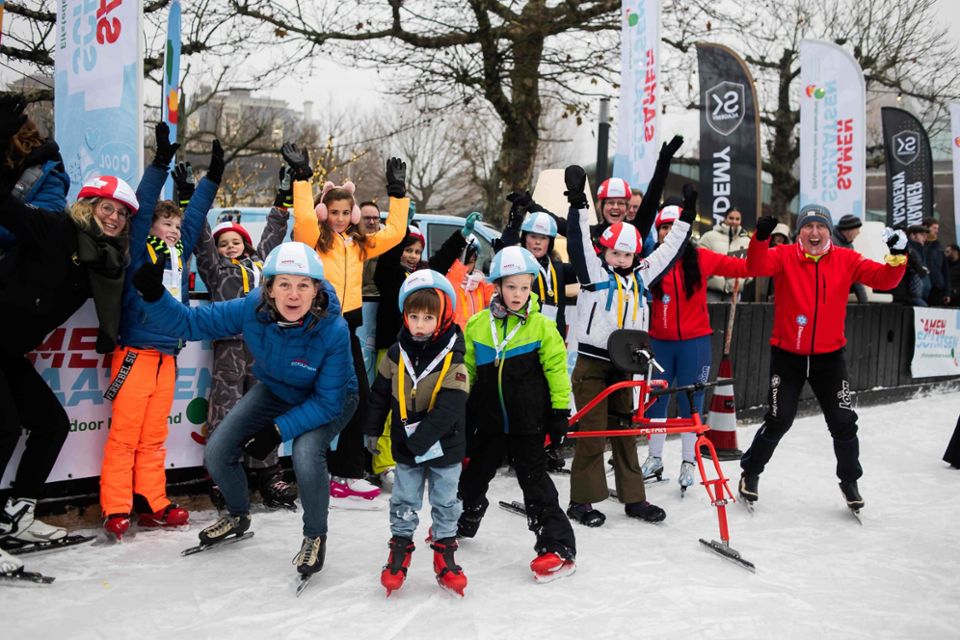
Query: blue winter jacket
{"type": "Point", "coordinates": [137, 329]}
{"type": "Point", "coordinates": [308, 366]}
{"type": "Point", "coordinates": [49, 192]}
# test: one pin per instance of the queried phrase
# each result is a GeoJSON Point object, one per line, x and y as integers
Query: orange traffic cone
{"type": "Point", "coordinates": [722, 417]}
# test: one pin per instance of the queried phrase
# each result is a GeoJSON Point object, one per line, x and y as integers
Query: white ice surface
{"type": "Point", "coordinates": [819, 573]}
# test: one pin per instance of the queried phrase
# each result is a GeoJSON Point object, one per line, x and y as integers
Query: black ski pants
{"type": "Point", "coordinates": [27, 402]}
{"type": "Point", "coordinates": [347, 460]}
{"type": "Point", "coordinates": [545, 518]}
{"type": "Point", "coordinates": [827, 373]}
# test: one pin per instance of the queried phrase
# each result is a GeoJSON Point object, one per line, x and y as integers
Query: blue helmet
{"type": "Point", "coordinates": [513, 261]}
{"type": "Point", "coordinates": [540, 222]}
{"type": "Point", "coordinates": [293, 258]}
{"type": "Point", "coordinates": [427, 279]}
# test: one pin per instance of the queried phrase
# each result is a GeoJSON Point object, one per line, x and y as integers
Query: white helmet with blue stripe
{"type": "Point", "coordinates": [540, 222]}
{"type": "Point", "coordinates": [513, 261]}
{"type": "Point", "coordinates": [293, 258]}
{"type": "Point", "coordinates": [427, 279]}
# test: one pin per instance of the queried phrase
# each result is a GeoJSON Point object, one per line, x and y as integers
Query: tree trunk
{"type": "Point", "coordinates": [784, 148]}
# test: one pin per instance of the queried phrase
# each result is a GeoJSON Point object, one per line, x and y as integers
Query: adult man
{"type": "Point", "coordinates": [727, 238]}
{"type": "Point", "coordinates": [370, 223]}
{"type": "Point", "coordinates": [936, 260]}
{"type": "Point", "coordinates": [812, 279]}
{"type": "Point", "coordinates": [636, 198]}
{"type": "Point", "coordinates": [843, 234]}
{"type": "Point", "coordinates": [952, 253]}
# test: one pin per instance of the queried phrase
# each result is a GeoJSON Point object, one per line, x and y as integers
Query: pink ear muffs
{"type": "Point", "coordinates": [321, 209]}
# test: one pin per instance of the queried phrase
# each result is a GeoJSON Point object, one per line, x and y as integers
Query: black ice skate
{"type": "Point", "coordinates": [749, 488]}
{"type": "Point", "coordinates": [276, 493]}
{"type": "Point", "coordinates": [852, 495]}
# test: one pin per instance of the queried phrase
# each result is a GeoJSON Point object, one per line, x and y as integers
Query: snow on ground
{"type": "Point", "coordinates": [819, 573]}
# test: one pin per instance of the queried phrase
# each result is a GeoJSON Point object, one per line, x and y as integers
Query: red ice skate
{"type": "Point", "coordinates": [395, 571]}
{"type": "Point", "coordinates": [170, 517]}
{"type": "Point", "coordinates": [547, 567]}
{"type": "Point", "coordinates": [449, 574]}
{"type": "Point", "coordinates": [115, 525]}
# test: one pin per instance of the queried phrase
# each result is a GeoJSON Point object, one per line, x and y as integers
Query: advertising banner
{"type": "Point", "coordinates": [171, 81]}
{"type": "Point", "coordinates": [729, 140]}
{"type": "Point", "coordinates": [832, 129]}
{"type": "Point", "coordinates": [936, 348]}
{"type": "Point", "coordinates": [955, 145]}
{"type": "Point", "coordinates": [98, 110]}
{"type": "Point", "coordinates": [638, 122]}
{"type": "Point", "coordinates": [909, 167]}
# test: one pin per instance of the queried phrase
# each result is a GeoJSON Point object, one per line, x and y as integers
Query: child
{"type": "Point", "coordinates": [473, 290]}
{"type": "Point", "coordinates": [519, 392]}
{"type": "Point", "coordinates": [330, 224]}
{"type": "Point", "coordinates": [680, 333]}
{"type": "Point", "coordinates": [611, 298]}
{"type": "Point", "coordinates": [231, 268]}
{"type": "Point", "coordinates": [428, 433]}
{"type": "Point", "coordinates": [144, 367]}
{"type": "Point", "coordinates": [307, 389]}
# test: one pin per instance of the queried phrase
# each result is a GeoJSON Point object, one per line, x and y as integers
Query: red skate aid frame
{"type": "Point", "coordinates": [718, 490]}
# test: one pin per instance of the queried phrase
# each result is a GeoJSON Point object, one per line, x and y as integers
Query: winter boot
{"type": "Point", "coordinates": [226, 527]}
{"type": "Point", "coordinates": [645, 511]}
{"type": "Point", "coordinates": [549, 566]}
{"type": "Point", "coordinates": [116, 525]}
{"type": "Point", "coordinates": [652, 467]}
{"type": "Point", "coordinates": [585, 514]}
{"type": "Point", "coordinates": [276, 493]}
{"type": "Point", "coordinates": [749, 487]}
{"type": "Point", "coordinates": [352, 488]}
{"type": "Point", "coordinates": [311, 556]}
{"type": "Point", "coordinates": [22, 526]}
{"type": "Point", "coordinates": [449, 574]}
{"type": "Point", "coordinates": [170, 517]}
{"type": "Point", "coordinates": [216, 497]}
{"type": "Point", "coordinates": [395, 571]}
{"type": "Point", "coordinates": [852, 495]}
{"type": "Point", "coordinates": [686, 476]}
{"type": "Point", "coordinates": [469, 522]}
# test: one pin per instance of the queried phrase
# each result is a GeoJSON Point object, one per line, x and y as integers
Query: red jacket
{"type": "Point", "coordinates": [676, 317]}
{"type": "Point", "coordinates": [811, 302]}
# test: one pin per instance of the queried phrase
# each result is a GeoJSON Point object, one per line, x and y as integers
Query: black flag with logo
{"type": "Point", "coordinates": [729, 144]}
{"type": "Point", "coordinates": [909, 166]}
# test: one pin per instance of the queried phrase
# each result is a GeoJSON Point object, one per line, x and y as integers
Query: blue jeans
{"type": "Point", "coordinates": [259, 409]}
{"type": "Point", "coordinates": [407, 498]}
{"type": "Point", "coordinates": [687, 361]}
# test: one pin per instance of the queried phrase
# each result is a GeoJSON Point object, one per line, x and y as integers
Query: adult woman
{"type": "Point", "coordinates": [307, 390]}
{"type": "Point", "coordinates": [61, 260]}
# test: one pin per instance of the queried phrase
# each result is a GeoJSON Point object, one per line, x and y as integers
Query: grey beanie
{"type": "Point", "coordinates": [815, 213]}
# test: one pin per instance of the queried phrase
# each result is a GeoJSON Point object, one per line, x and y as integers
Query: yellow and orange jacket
{"type": "Point", "coordinates": [468, 302]}
{"type": "Point", "coordinates": [342, 265]}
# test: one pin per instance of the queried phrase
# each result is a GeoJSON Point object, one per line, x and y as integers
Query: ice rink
{"type": "Point", "coordinates": [819, 573]}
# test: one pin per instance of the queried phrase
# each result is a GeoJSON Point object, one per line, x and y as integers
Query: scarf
{"type": "Point", "coordinates": [103, 257]}
{"type": "Point", "coordinates": [500, 311]}
{"type": "Point", "coordinates": [162, 247]}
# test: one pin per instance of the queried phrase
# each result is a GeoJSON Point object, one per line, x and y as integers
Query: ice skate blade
{"type": "Point", "coordinates": [164, 527]}
{"type": "Point", "coordinates": [747, 503]}
{"type": "Point", "coordinates": [304, 581]}
{"type": "Point", "coordinates": [564, 570]}
{"type": "Point", "coordinates": [726, 552]}
{"type": "Point", "coordinates": [25, 548]}
{"type": "Point", "coordinates": [25, 579]}
{"type": "Point", "coordinates": [856, 514]}
{"type": "Point", "coordinates": [453, 592]}
{"type": "Point", "coordinates": [514, 507]}
{"type": "Point", "coordinates": [356, 503]}
{"type": "Point", "coordinates": [213, 545]}
{"type": "Point", "coordinates": [280, 506]}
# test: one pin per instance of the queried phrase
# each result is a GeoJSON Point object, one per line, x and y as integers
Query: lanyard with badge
{"type": "Point", "coordinates": [636, 301]}
{"type": "Point", "coordinates": [497, 346]}
{"type": "Point", "coordinates": [444, 355]}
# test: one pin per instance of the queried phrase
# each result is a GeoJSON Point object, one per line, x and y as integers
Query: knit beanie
{"type": "Point", "coordinates": [815, 213]}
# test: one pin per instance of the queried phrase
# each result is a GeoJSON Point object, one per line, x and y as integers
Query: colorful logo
{"type": "Point", "coordinates": [813, 91]}
{"type": "Point", "coordinates": [956, 141]}
{"type": "Point", "coordinates": [632, 19]}
{"type": "Point", "coordinates": [802, 320]}
{"type": "Point", "coordinates": [666, 299]}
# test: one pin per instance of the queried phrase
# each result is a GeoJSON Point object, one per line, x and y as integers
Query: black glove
{"type": "Point", "coordinates": [559, 426]}
{"type": "Point", "coordinates": [284, 197]}
{"type": "Point", "coordinates": [576, 180]}
{"type": "Point", "coordinates": [165, 150]}
{"type": "Point", "coordinates": [148, 279]}
{"type": "Point", "coordinates": [298, 159]}
{"type": "Point", "coordinates": [11, 116]}
{"type": "Point", "coordinates": [765, 226]}
{"type": "Point", "coordinates": [217, 165]}
{"type": "Point", "coordinates": [689, 212]}
{"type": "Point", "coordinates": [669, 149]}
{"type": "Point", "coordinates": [518, 209]}
{"type": "Point", "coordinates": [371, 442]}
{"type": "Point", "coordinates": [186, 184]}
{"type": "Point", "coordinates": [260, 444]}
{"type": "Point", "coordinates": [396, 178]}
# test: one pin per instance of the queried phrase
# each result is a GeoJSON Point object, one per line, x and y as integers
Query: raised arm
{"type": "Point", "coordinates": [588, 265]}
{"type": "Point", "coordinates": [647, 212]}
{"type": "Point", "coordinates": [661, 261]}
{"type": "Point", "coordinates": [394, 231]}
{"type": "Point", "coordinates": [714, 264]}
{"type": "Point", "coordinates": [306, 227]}
{"type": "Point", "coordinates": [195, 216]}
{"type": "Point", "coordinates": [760, 260]}
{"type": "Point", "coordinates": [208, 258]}
{"type": "Point", "coordinates": [274, 232]}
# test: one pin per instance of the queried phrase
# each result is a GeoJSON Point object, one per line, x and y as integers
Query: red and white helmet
{"type": "Point", "coordinates": [622, 236]}
{"type": "Point", "coordinates": [113, 188]}
{"type": "Point", "coordinates": [614, 188]}
{"type": "Point", "coordinates": [414, 232]}
{"type": "Point", "coordinates": [668, 215]}
{"type": "Point", "coordinates": [232, 226]}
